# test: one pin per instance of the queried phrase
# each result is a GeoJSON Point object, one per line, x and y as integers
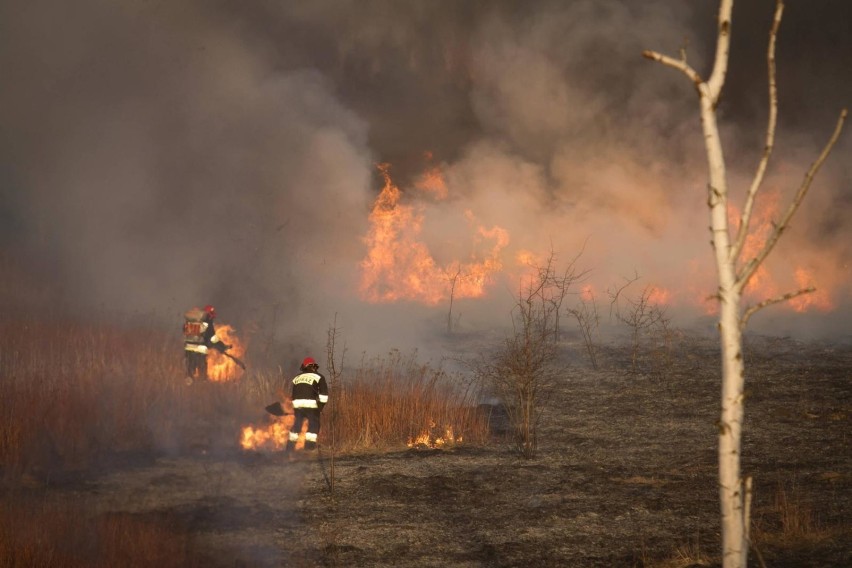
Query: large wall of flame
{"type": "Point", "coordinates": [158, 155]}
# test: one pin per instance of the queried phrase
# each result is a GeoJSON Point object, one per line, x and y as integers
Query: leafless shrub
{"type": "Point", "coordinates": [524, 368]}
{"type": "Point", "coordinates": [646, 320]}
{"type": "Point", "coordinates": [552, 287]}
{"type": "Point", "coordinates": [588, 320]}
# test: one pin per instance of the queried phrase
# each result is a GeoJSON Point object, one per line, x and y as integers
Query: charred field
{"type": "Point", "coordinates": [624, 476]}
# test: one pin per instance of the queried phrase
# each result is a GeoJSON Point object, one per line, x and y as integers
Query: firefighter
{"type": "Point", "coordinates": [199, 337]}
{"type": "Point", "coordinates": [309, 395]}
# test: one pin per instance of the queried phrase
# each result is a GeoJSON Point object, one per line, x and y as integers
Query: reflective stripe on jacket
{"type": "Point", "coordinates": [309, 391]}
{"type": "Point", "coordinates": [207, 339]}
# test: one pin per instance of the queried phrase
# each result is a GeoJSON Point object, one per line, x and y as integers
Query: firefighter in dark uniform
{"type": "Point", "coordinates": [199, 337]}
{"type": "Point", "coordinates": [309, 395]}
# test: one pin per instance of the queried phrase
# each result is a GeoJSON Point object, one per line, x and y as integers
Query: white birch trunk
{"type": "Point", "coordinates": [734, 540]}
{"type": "Point", "coordinates": [733, 522]}
{"type": "Point", "coordinates": [734, 493]}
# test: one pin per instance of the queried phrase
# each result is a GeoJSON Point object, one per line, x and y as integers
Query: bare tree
{"type": "Point", "coordinates": [734, 271]}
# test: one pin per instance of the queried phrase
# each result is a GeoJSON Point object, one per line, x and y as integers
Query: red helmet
{"type": "Point", "coordinates": [309, 362]}
{"type": "Point", "coordinates": [210, 310]}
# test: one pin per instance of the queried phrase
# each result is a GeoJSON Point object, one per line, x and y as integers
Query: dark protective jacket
{"type": "Point", "coordinates": [310, 390]}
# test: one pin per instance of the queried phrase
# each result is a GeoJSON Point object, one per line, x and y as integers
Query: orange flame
{"type": "Point", "coordinates": [432, 181]}
{"type": "Point", "coordinates": [221, 368]}
{"type": "Point", "coordinates": [273, 437]}
{"type": "Point", "coordinates": [526, 258]}
{"type": "Point", "coordinates": [659, 296]}
{"type": "Point", "coordinates": [818, 299]}
{"type": "Point", "coordinates": [434, 437]}
{"type": "Point", "coordinates": [587, 293]}
{"type": "Point", "coordinates": [398, 266]}
{"type": "Point", "coordinates": [763, 284]}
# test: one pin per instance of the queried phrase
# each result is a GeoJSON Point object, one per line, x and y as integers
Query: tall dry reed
{"type": "Point", "coordinates": [64, 532]}
{"type": "Point", "coordinates": [394, 399]}
{"type": "Point", "coordinates": [73, 394]}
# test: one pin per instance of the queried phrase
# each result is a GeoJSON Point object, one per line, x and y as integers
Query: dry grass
{"type": "Point", "coordinates": [689, 555]}
{"type": "Point", "coordinates": [396, 400]}
{"type": "Point", "coordinates": [74, 396]}
{"type": "Point", "coordinates": [57, 533]}
{"type": "Point", "coordinates": [790, 522]}
{"type": "Point", "coordinates": [72, 390]}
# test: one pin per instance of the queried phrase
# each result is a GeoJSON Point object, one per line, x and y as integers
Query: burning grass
{"type": "Point", "coordinates": [626, 474]}
{"type": "Point", "coordinates": [396, 400]}
{"type": "Point", "coordinates": [625, 477]}
{"type": "Point", "coordinates": [75, 394]}
{"type": "Point", "coordinates": [76, 397]}
{"type": "Point", "coordinates": [389, 401]}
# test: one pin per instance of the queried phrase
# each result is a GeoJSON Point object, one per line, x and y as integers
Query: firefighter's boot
{"type": "Point", "coordinates": [309, 446]}
{"type": "Point", "coordinates": [291, 447]}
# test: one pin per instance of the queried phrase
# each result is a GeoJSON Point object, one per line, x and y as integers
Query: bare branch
{"type": "Point", "coordinates": [749, 269]}
{"type": "Point", "coordinates": [679, 64]}
{"type": "Point", "coordinates": [745, 218]}
{"type": "Point", "coordinates": [783, 298]}
{"type": "Point", "coordinates": [614, 295]}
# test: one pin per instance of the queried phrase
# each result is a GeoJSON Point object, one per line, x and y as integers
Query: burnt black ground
{"type": "Point", "coordinates": [625, 476]}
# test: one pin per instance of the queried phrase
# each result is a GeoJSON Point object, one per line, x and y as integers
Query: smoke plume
{"type": "Point", "coordinates": [160, 155]}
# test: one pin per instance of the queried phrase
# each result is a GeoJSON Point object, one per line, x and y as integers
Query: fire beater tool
{"type": "Point", "coordinates": [235, 360]}
{"type": "Point", "coordinates": [277, 409]}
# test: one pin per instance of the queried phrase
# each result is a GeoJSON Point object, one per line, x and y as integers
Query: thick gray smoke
{"type": "Point", "coordinates": [158, 155]}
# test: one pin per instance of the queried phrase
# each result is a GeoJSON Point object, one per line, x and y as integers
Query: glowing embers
{"type": "Point", "coordinates": [400, 266]}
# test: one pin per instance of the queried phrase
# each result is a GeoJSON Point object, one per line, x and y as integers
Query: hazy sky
{"type": "Point", "coordinates": [156, 155]}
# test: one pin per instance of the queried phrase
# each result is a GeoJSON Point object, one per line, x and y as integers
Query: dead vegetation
{"type": "Point", "coordinates": [624, 473]}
